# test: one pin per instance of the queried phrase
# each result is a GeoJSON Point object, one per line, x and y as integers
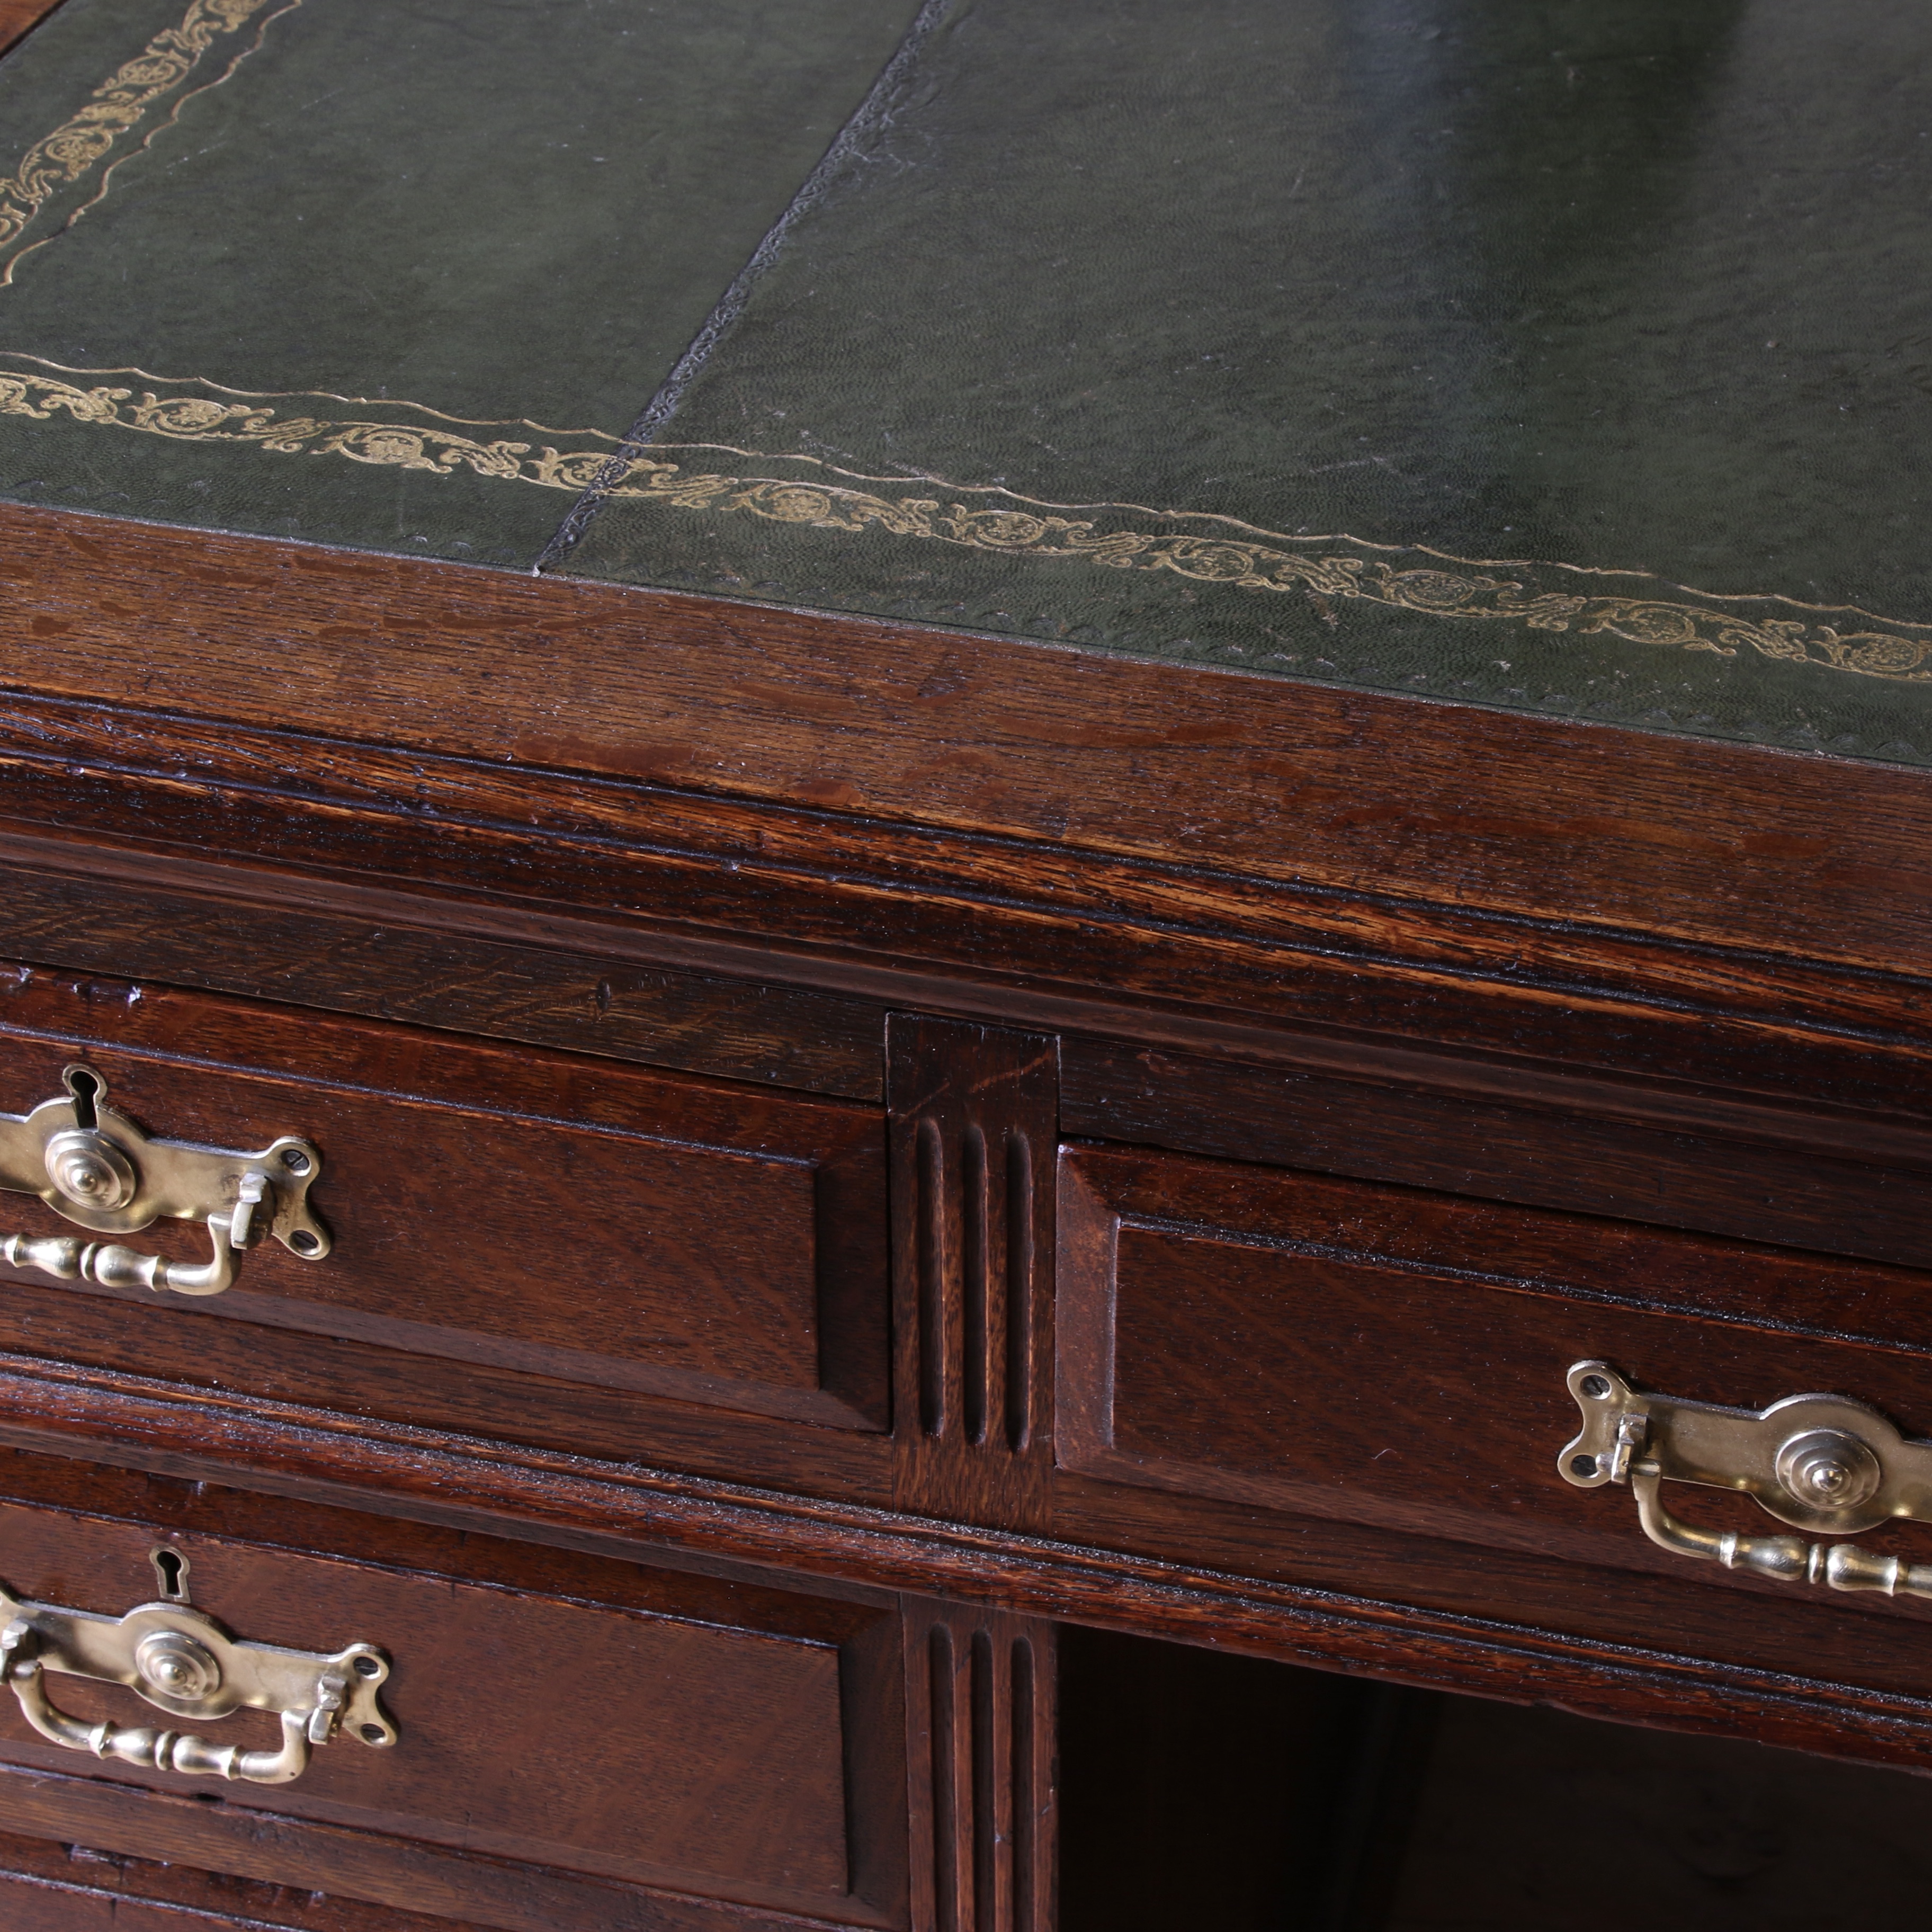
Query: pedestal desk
{"type": "Point", "coordinates": [675, 1089]}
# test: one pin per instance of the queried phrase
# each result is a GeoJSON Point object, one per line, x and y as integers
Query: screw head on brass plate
{"type": "Point", "coordinates": [177, 1667]}
{"type": "Point", "coordinates": [1827, 1469]}
{"type": "Point", "coordinates": [89, 1169]}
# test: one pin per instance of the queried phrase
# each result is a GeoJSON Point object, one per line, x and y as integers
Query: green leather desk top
{"type": "Point", "coordinates": [1574, 358]}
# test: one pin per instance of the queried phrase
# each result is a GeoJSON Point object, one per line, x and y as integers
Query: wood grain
{"type": "Point", "coordinates": [981, 1762]}
{"type": "Point", "coordinates": [1698, 1156]}
{"type": "Point", "coordinates": [569, 918]}
{"type": "Point", "coordinates": [303, 1854]}
{"type": "Point", "coordinates": [1216, 1319]}
{"type": "Point", "coordinates": [18, 17]}
{"type": "Point", "coordinates": [1793, 853]}
{"type": "Point", "coordinates": [636, 1748]}
{"type": "Point", "coordinates": [923, 917]}
{"type": "Point", "coordinates": [973, 1128]}
{"type": "Point", "coordinates": [1688, 1657]}
{"type": "Point", "coordinates": [584, 1222]}
{"type": "Point", "coordinates": [46, 1886]}
{"type": "Point", "coordinates": [1530, 1149]}
{"type": "Point", "coordinates": [697, 1023]}
{"type": "Point", "coordinates": [575, 1715]}
{"type": "Point", "coordinates": [1563, 965]}
{"type": "Point", "coordinates": [475, 1398]}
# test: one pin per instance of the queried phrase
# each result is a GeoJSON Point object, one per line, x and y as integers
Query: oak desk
{"type": "Point", "coordinates": [781, 788]}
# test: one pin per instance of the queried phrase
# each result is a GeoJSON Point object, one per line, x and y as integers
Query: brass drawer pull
{"type": "Point", "coordinates": [88, 1162]}
{"type": "Point", "coordinates": [184, 1663]}
{"type": "Point", "coordinates": [1820, 1462]}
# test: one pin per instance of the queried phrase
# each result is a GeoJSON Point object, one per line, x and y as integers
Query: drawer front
{"type": "Point", "coordinates": [533, 1215]}
{"type": "Point", "coordinates": [47, 1886]}
{"type": "Point", "coordinates": [1389, 1358]}
{"type": "Point", "coordinates": [579, 1742]}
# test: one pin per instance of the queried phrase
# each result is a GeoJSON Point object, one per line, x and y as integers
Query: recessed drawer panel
{"type": "Point", "coordinates": [572, 1221]}
{"type": "Point", "coordinates": [559, 1742]}
{"type": "Point", "coordinates": [1390, 1356]}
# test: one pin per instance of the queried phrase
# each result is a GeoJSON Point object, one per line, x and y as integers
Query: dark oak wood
{"type": "Point", "coordinates": [1442, 1586]}
{"type": "Point", "coordinates": [1654, 1602]}
{"type": "Point", "coordinates": [1692, 1156]}
{"type": "Point", "coordinates": [1436, 1605]}
{"type": "Point", "coordinates": [928, 917]}
{"type": "Point", "coordinates": [471, 1399]}
{"type": "Point", "coordinates": [980, 1703]}
{"type": "Point", "coordinates": [1688, 1657]}
{"type": "Point", "coordinates": [973, 1125]}
{"type": "Point", "coordinates": [505, 1895]}
{"type": "Point", "coordinates": [1216, 1322]}
{"type": "Point", "coordinates": [50, 1887]}
{"type": "Point", "coordinates": [1531, 1149]}
{"type": "Point", "coordinates": [1582, 1041]}
{"type": "Point", "coordinates": [575, 1718]}
{"type": "Point", "coordinates": [712, 1402]}
{"type": "Point", "coordinates": [1353, 791]}
{"type": "Point", "coordinates": [697, 1023]}
{"type": "Point", "coordinates": [533, 1729]}
{"type": "Point", "coordinates": [583, 1221]}
{"type": "Point", "coordinates": [18, 17]}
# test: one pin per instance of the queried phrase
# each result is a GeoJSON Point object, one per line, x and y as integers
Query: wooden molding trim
{"type": "Point", "coordinates": [311, 831]}
{"type": "Point", "coordinates": [1451, 804]}
{"type": "Point", "coordinates": [981, 1753]}
{"type": "Point", "coordinates": [612, 1509]}
{"type": "Point", "coordinates": [314, 1862]}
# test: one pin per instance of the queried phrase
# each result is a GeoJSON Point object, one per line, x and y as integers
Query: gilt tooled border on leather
{"type": "Point", "coordinates": [1553, 597]}
{"type": "Point", "coordinates": [1638, 609]}
{"type": "Point", "coordinates": [100, 134]}
{"type": "Point", "coordinates": [1548, 597]}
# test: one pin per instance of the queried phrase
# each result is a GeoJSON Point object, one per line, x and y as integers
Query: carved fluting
{"type": "Point", "coordinates": [993, 1199]}
{"type": "Point", "coordinates": [975, 1111]}
{"type": "Point", "coordinates": [972, 1337]}
{"type": "Point", "coordinates": [980, 1706]}
{"type": "Point", "coordinates": [932, 1233]}
{"type": "Point", "coordinates": [983, 1295]}
{"type": "Point", "coordinates": [1021, 1367]}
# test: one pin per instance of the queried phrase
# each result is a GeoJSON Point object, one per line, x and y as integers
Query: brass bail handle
{"type": "Point", "coordinates": [1818, 1463]}
{"type": "Point", "coordinates": [90, 1163]}
{"type": "Point", "coordinates": [181, 1660]}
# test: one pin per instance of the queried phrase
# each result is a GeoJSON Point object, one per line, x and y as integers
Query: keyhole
{"type": "Point", "coordinates": [86, 1088]}
{"type": "Point", "coordinates": [171, 1566]}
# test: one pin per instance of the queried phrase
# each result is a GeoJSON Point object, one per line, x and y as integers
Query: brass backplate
{"type": "Point", "coordinates": [1820, 1462]}
{"type": "Point", "coordinates": [88, 1161]}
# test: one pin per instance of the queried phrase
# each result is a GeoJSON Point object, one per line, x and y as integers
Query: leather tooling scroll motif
{"type": "Point", "coordinates": [117, 108]}
{"type": "Point", "coordinates": [1207, 549]}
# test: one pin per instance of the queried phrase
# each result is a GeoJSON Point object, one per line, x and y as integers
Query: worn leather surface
{"type": "Point", "coordinates": [1640, 285]}
{"type": "Point", "coordinates": [1575, 357]}
{"type": "Point", "coordinates": [492, 209]}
